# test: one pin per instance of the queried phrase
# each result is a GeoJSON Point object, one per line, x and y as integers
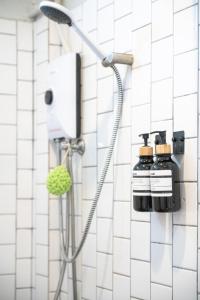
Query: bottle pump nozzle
{"type": "Point", "coordinates": [145, 150]}
{"type": "Point", "coordinates": [145, 136]}
{"type": "Point", "coordinates": [160, 138]}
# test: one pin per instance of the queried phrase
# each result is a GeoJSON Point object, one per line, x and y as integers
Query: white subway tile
{"type": "Point", "coordinates": [8, 199]}
{"type": "Point", "coordinates": [8, 26]}
{"type": "Point", "coordinates": [141, 85]}
{"type": "Point", "coordinates": [140, 279]}
{"type": "Point", "coordinates": [121, 256]}
{"type": "Point", "coordinates": [89, 15]}
{"type": "Point", "coordinates": [42, 229]}
{"type": "Point", "coordinates": [123, 42]}
{"type": "Point", "coordinates": [54, 271]}
{"type": "Point", "coordinates": [121, 9]}
{"type": "Point", "coordinates": [54, 52]}
{"type": "Point", "coordinates": [25, 68]}
{"type": "Point", "coordinates": [122, 152]}
{"type": "Point", "coordinates": [25, 97]}
{"type": "Point", "coordinates": [7, 287]}
{"type": "Point", "coordinates": [160, 292]}
{"type": "Point", "coordinates": [41, 24]}
{"type": "Point", "coordinates": [104, 124]}
{"type": "Point", "coordinates": [89, 251]}
{"type": "Point", "coordinates": [25, 125]}
{"type": "Point", "coordinates": [162, 93]}
{"type": "Point", "coordinates": [25, 35]}
{"type": "Point", "coordinates": [142, 46]}
{"type": "Point", "coordinates": [161, 228]}
{"type": "Point", "coordinates": [42, 202]}
{"type": "Point", "coordinates": [140, 240]}
{"type": "Point", "coordinates": [121, 287]}
{"type": "Point", "coordinates": [24, 242]}
{"type": "Point", "coordinates": [23, 273]}
{"type": "Point", "coordinates": [54, 245]}
{"type": "Point", "coordinates": [42, 51]}
{"type": "Point", "coordinates": [122, 219]}
{"type": "Point", "coordinates": [162, 59]}
{"type": "Point", "coordinates": [126, 109]}
{"type": "Point", "coordinates": [161, 263]}
{"type": "Point", "coordinates": [89, 283]}
{"type": "Point", "coordinates": [122, 186]}
{"type": "Point", "coordinates": [104, 270]}
{"type": "Point", "coordinates": [41, 75]}
{"type": "Point", "coordinates": [105, 204]}
{"type": "Point", "coordinates": [8, 169]}
{"type": "Point", "coordinates": [102, 3]}
{"type": "Point", "coordinates": [89, 182]}
{"type": "Point", "coordinates": [140, 121]}
{"type": "Point", "coordinates": [105, 94]}
{"type": "Point", "coordinates": [25, 184]}
{"type": "Point", "coordinates": [89, 116]}
{"type": "Point", "coordinates": [104, 25]}
{"type": "Point", "coordinates": [186, 30]}
{"type": "Point", "coordinates": [162, 19]}
{"type": "Point", "coordinates": [188, 213]}
{"type": "Point", "coordinates": [89, 89]}
{"type": "Point", "coordinates": [42, 260]}
{"type": "Point", "coordinates": [184, 284]}
{"type": "Point", "coordinates": [41, 287]}
{"type": "Point", "coordinates": [179, 5]}
{"type": "Point", "coordinates": [41, 168]}
{"type": "Point", "coordinates": [54, 214]}
{"type": "Point", "coordinates": [7, 104]}
{"type": "Point", "coordinates": [182, 80]}
{"type": "Point", "coordinates": [24, 154]}
{"type": "Point", "coordinates": [8, 86]}
{"type": "Point", "coordinates": [8, 138]}
{"type": "Point", "coordinates": [106, 47]}
{"type": "Point", "coordinates": [185, 247]}
{"type": "Point", "coordinates": [24, 294]}
{"type": "Point", "coordinates": [104, 235]}
{"type": "Point", "coordinates": [101, 161]}
{"type": "Point", "coordinates": [185, 115]}
{"type": "Point", "coordinates": [7, 253]}
{"type": "Point", "coordinates": [103, 294]}
{"type": "Point", "coordinates": [89, 157]}
{"type": "Point", "coordinates": [53, 33]}
{"type": "Point", "coordinates": [8, 49]}
{"type": "Point", "coordinates": [142, 13]}
{"type": "Point", "coordinates": [24, 213]}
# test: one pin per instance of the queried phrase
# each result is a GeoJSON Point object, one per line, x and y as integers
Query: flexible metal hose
{"type": "Point", "coordinates": [104, 171]}
{"type": "Point", "coordinates": [65, 247]}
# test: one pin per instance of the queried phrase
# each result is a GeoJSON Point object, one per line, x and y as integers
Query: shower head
{"type": "Point", "coordinates": [56, 12]}
{"type": "Point", "coordinates": [62, 15]}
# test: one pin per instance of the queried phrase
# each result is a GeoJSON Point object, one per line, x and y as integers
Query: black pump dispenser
{"type": "Point", "coordinates": [141, 177]}
{"type": "Point", "coordinates": [164, 177]}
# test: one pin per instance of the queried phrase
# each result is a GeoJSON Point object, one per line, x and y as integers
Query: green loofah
{"type": "Point", "coordinates": [59, 181]}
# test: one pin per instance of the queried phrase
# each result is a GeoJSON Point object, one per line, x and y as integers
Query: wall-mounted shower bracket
{"type": "Point", "coordinates": [76, 145]}
{"type": "Point", "coordinates": [118, 58]}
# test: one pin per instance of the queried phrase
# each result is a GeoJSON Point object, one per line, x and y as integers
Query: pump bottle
{"type": "Point", "coordinates": [164, 177]}
{"type": "Point", "coordinates": [141, 177]}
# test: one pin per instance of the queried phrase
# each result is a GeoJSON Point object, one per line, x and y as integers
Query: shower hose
{"type": "Point", "coordinates": [70, 202]}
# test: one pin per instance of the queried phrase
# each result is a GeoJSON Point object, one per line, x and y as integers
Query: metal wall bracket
{"type": "Point", "coordinates": [76, 145]}
{"type": "Point", "coordinates": [118, 58]}
{"type": "Point", "coordinates": [178, 142]}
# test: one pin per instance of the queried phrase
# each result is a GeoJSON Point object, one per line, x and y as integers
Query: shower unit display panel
{"type": "Point", "coordinates": [62, 97]}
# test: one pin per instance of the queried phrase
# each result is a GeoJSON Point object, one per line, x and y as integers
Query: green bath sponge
{"type": "Point", "coordinates": [59, 181]}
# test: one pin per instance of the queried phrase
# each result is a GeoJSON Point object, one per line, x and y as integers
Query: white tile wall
{"type": "Point", "coordinates": [164, 43]}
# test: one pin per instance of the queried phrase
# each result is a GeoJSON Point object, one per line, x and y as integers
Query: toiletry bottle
{"type": "Point", "coordinates": [164, 177]}
{"type": "Point", "coordinates": [141, 177]}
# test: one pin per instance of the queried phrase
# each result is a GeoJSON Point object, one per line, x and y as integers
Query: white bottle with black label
{"type": "Point", "coordinates": [141, 178]}
{"type": "Point", "coordinates": [164, 177]}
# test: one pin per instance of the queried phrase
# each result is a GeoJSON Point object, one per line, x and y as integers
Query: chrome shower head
{"type": "Point", "coordinates": [56, 12]}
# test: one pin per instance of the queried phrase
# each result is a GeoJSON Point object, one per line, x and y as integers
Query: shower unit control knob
{"type": "Point", "coordinates": [48, 97]}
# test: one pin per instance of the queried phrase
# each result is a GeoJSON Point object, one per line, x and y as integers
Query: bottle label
{"type": "Point", "coordinates": [161, 183]}
{"type": "Point", "coordinates": [141, 183]}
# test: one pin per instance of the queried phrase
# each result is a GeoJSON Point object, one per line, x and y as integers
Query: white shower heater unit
{"type": "Point", "coordinates": [62, 97]}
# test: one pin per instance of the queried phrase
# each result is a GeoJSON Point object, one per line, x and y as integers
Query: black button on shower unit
{"type": "Point", "coordinates": [48, 97]}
